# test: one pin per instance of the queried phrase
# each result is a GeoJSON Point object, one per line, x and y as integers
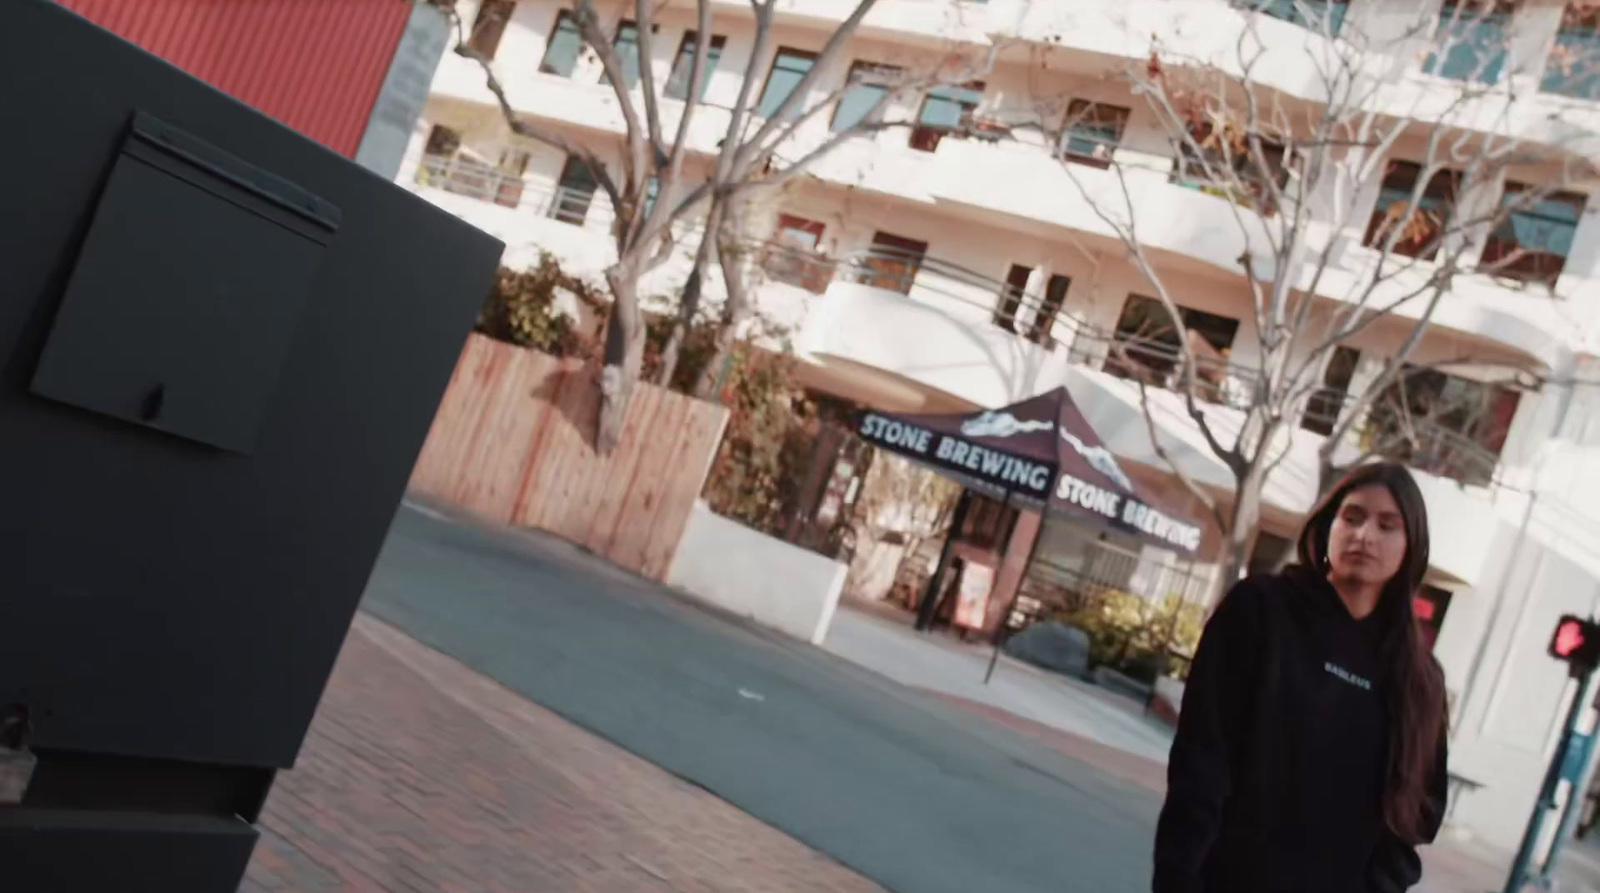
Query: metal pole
{"type": "Point", "coordinates": [1577, 793]}
{"type": "Point", "coordinates": [1518, 878]}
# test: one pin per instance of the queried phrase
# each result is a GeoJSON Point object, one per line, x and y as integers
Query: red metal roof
{"type": "Point", "coordinates": [315, 65]}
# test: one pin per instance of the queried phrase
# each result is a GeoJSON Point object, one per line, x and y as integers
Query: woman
{"type": "Point", "coordinates": [1310, 754]}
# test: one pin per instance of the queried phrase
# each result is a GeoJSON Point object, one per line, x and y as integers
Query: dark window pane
{"type": "Point", "coordinates": [442, 141]}
{"type": "Point", "coordinates": [1321, 16]}
{"type": "Point", "coordinates": [566, 43]}
{"type": "Point", "coordinates": [1146, 345]}
{"type": "Point", "coordinates": [1093, 132]}
{"type": "Point", "coordinates": [892, 263]}
{"type": "Point", "coordinates": [1573, 67]}
{"type": "Point", "coordinates": [574, 193]}
{"type": "Point", "coordinates": [1473, 36]}
{"type": "Point", "coordinates": [1421, 225]}
{"type": "Point", "coordinates": [1055, 294]}
{"type": "Point", "coordinates": [1443, 424]}
{"type": "Point", "coordinates": [489, 25]}
{"type": "Point", "coordinates": [1322, 413]}
{"type": "Point", "coordinates": [869, 83]}
{"type": "Point", "coordinates": [944, 110]}
{"type": "Point", "coordinates": [794, 256]}
{"type": "Point", "coordinates": [683, 67]}
{"type": "Point", "coordinates": [1010, 299]}
{"type": "Point", "coordinates": [626, 44]}
{"type": "Point", "coordinates": [1533, 242]}
{"type": "Point", "coordinates": [787, 70]}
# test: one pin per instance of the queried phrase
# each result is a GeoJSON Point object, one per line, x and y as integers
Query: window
{"type": "Point", "coordinates": [442, 142]}
{"type": "Point", "coordinates": [1005, 312]}
{"type": "Point", "coordinates": [869, 84]}
{"type": "Point", "coordinates": [1093, 132]}
{"type": "Point", "coordinates": [489, 25]}
{"type": "Point", "coordinates": [892, 264]}
{"type": "Point", "coordinates": [1321, 16]}
{"type": "Point", "coordinates": [626, 45]}
{"type": "Point", "coordinates": [683, 67]}
{"type": "Point", "coordinates": [1532, 243]}
{"type": "Point", "coordinates": [1221, 162]}
{"type": "Point", "coordinates": [1146, 346]}
{"type": "Point", "coordinates": [1443, 424]}
{"type": "Point", "coordinates": [945, 110]}
{"type": "Point", "coordinates": [574, 193]}
{"type": "Point", "coordinates": [566, 43]}
{"type": "Point", "coordinates": [1472, 36]}
{"type": "Point", "coordinates": [1419, 235]}
{"type": "Point", "coordinates": [509, 184]}
{"type": "Point", "coordinates": [795, 254]}
{"type": "Point", "coordinates": [1055, 294]}
{"type": "Point", "coordinates": [1573, 68]}
{"type": "Point", "coordinates": [788, 69]}
{"type": "Point", "coordinates": [1322, 412]}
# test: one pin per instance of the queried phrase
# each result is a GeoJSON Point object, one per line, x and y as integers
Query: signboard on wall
{"type": "Point", "coordinates": [972, 601]}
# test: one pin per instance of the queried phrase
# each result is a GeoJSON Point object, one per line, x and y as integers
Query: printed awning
{"type": "Point", "coordinates": [1040, 452]}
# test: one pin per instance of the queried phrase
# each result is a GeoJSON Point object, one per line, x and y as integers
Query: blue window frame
{"type": "Point", "coordinates": [626, 45]}
{"type": "Point", "coordinates": [1532, 243]}
{"type": "Point", "coordinates": [1474, 38]}
{"type": "Point", "coordinates": [1093, 131]}
{"type": "Point", "coordinates": [868, 84]}
{"type": "Point", "coordinates": [1573, 67]}
{"type": "Point", "coordinates": [565, 45]}
{"type": "Point", "coordinates": [1321, 16]}
{"type": "Point", "coordinates": [788, 68]}
{"type": "Point", "coordinates": [683, 67]}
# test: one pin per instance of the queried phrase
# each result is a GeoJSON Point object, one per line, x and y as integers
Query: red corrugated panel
{"type": "Point", "coordinates": [315, 65]}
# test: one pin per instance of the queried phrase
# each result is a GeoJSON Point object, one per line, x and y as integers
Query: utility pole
{"type": "Point", "coordinates": [1577, 642]}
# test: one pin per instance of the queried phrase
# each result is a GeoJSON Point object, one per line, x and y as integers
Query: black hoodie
{"type": "Point", "coordinates": [1276, 778]}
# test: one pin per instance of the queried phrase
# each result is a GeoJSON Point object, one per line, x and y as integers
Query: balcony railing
{"type": "Point", "coordinates": [587, 208]}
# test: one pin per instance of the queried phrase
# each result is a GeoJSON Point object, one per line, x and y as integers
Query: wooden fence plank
{"type": "Point", "coordinates": [697, 447]}
{"type": "Point", "coordinates": [641, 506]}
{"type": "Point", "coordinates": [512, 441]}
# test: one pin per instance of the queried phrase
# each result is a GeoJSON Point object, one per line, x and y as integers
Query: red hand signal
{"type": "Point", "coordinates": [1569, 638]}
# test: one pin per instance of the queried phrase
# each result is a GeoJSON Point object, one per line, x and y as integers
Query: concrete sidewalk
{"type": "Point", "coordinates": [942, 664]}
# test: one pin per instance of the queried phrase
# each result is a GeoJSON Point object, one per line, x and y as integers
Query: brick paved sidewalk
{"type": "Point", "coordinates": [420, 775]}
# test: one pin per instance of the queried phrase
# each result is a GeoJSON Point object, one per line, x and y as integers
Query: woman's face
{"type": "Point", "coordinates": [1367, 542]}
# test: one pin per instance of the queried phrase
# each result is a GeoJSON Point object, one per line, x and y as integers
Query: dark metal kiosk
{"type": "Point", "coordinates": [221, 346]}
{"type": "Point", "coordinates": [1041, 454]}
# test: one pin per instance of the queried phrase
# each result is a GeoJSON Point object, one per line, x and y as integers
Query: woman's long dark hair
{"type": "Point", "coordinates": [1415, 686]}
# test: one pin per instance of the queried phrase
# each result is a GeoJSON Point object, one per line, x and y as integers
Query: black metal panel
{"type": "Point", "coordinates": [160, 598]}
{"type": "Point", "coordinates": [187, 291]}
{"type": "Point", "coordinates": [80, 852]}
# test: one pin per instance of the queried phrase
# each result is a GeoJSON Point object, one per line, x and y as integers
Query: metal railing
{"type": "Point", "coordinates": [588, 208]}
{"type": "Point", "coordinates": [473, 179]}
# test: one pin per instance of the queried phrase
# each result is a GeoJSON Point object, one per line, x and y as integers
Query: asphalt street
{"type": "Point", "coordinates": [915, 794]}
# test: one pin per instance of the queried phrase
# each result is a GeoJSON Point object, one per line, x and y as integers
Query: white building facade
{"type": "Point", "coordinates": [925, 268]}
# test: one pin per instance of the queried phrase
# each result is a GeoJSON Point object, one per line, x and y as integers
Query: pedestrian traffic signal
{"type": "Point", "coordinates": [1576, 641]}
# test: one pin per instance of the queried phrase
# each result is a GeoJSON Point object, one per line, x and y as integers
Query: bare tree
{"type": "Point", "coordinates": [1296, 176]}
{"type": "Point", "coordinates": [656, 194]}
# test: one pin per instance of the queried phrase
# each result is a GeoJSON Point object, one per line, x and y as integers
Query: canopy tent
{"type": "Point", "coordinates": [1040, 452]}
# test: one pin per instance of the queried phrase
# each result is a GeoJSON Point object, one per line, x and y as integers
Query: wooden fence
{"type": "Point", "coordinates": [513, 442]}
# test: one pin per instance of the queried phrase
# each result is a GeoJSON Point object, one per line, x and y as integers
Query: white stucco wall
{"type": "Point", "coordinates": [727, 564]}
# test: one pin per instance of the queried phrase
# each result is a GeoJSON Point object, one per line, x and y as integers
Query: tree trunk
{"type": "Point", "coordinates": [688, 304]}
{"type": "Point", "coordinates": [1239, 534]}
{"type": "Point", "coordinates": [730, 255]}
{"type": "Point", "coordinates": [624, 355]}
